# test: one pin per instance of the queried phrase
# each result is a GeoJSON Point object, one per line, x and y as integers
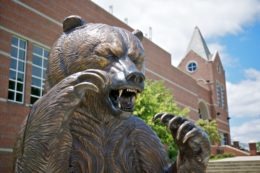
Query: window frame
{"type": "Point", "coordinates": [16, 71]}
{"type": "Point", "coordinates": [220, 94]}
{"type": "Point", "coordinates": [219, 68]}
{"type": "Point", "coordinates": [194, 68]}
{"type": "Point", "coordinates": [42, 69]}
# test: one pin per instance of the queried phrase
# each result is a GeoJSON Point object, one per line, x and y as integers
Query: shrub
{"type": "Point", "coordinates": [157, 98]}
{"type": "Point", "coordinates": [221, 156]}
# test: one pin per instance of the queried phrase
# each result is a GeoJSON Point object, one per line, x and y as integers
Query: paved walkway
{"type": "Point", "coordinates": [239, 158]}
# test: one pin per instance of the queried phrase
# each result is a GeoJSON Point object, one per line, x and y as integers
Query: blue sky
{"type": "Point", "coordinates": [244, 47]}
{"type": "Point", "coordinates": [231, 27]}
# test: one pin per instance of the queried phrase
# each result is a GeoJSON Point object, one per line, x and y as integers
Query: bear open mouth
{"type": "Point", "coordinates": [124, 99]}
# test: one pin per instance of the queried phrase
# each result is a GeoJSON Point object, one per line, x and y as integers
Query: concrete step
{"type": "Point", "coordinates": [233, 165]}
{"type": "Point", "coordinates": [250, 162]}
{"type": "Point", "coordinates": [247, 166]}
{"type": "Point", "coordinates": [233, 171]}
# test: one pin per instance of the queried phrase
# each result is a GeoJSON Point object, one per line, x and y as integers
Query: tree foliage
{"type": "Point", "coordinates": [258, 146]}
{"type": "Point", "coordinates": [210, 127]}
{"type": "Point", "coordinates": [157, 98]}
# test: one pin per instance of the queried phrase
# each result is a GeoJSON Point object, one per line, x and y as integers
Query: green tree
{"type": "Point", "coordinates": [211, 128]}
{"type": "Point", "coordinates": [157, 98]}
{"type": "Point", "coordinates": [258, 146]}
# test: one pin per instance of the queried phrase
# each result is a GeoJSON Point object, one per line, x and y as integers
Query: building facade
{"type": "Point", "coordinates": [29, 28]}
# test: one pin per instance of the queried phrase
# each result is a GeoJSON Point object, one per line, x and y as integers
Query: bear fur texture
{"type": "Point", "coordinates": [84, 122]}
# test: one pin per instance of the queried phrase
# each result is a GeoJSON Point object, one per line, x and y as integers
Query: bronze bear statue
{"type": "Point", "coordinates": [84, 122]}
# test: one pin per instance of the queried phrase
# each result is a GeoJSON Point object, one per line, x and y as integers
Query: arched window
{"type": "Point", "coordinates": [203, 111]}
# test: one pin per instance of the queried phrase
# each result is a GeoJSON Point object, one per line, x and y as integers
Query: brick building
{"type": "Point", "coordinates": [29, 28]}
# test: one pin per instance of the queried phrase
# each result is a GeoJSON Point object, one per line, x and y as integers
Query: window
{"type": "Point", "coordinates": [219, 68]}
{"type": "Point", "coordinates": [17, 70]}
{"type": "Point", "coordinates": [220, 95]}
{"type": "Point", "coordinates": [218, 91]}
{"type": "Point", "coordinates": [39, 65]}
{"type": "Point", "coordinates": [192, 66]}
{"type": "Point", "coordinates": [224, 138]}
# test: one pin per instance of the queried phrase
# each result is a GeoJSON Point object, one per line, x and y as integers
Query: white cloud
{"type": "Point", "coordinates": [173, 21]}
{"type": "Point", "coordinates": [247, 132]}
{"type": "Point", "coordinates": [226, 58]}
{"type": "Point", "coordinates": [244, 97]}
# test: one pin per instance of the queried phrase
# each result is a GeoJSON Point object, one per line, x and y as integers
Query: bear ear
{"type": "Point", "coordinates": [72, 22]}
{"type": "Point", "coordinates": [138, 34]}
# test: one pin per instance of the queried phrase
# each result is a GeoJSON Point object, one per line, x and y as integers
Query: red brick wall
{"type": "Point", "coordinates": [203, 71]}
{"type": "Point", "coordinates": [25, 22]}
{"type": "Point", "coordinates": [6, 162]}
{"type": "Point", "coordinates": [227, 149]}
{"type": "Point", "coordinates": [11, 117]}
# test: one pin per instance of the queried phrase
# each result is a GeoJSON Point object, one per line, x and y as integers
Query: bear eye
{"type": "Point", "coordinates": [137, 60]}
{"type": "Point", "coordinates": [138, 63]}
{"type": "Point", "coordinates": [112, 57]}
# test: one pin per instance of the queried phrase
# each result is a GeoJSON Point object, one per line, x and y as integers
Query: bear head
{"type": "Point", "coordinates": [114, 50]}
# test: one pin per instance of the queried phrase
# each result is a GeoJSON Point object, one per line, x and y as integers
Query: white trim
{"type": "Point", "coordinates": [213, 57]}
{"type": "Point", "coordinates": [35, 65]}
{"type": "Point", "coordinates": [8, 55]}
{"type": "Point", "coordinates": [173, 83]}
{"type": "Point", "coordinates": [8, 150]}
{"type": "Point", "coordinates": [5, 54]}
{"type": "Point", "coordinates": [221, 121]}
{"type": "Point", "coordinates": [23, 37]}
{"type": "Point", "coordinates": [223, 131]}
{"type": "Point", "coordinates": [28, 105]}
{"type": "Point", "coordinates": [38, 12]}
{"type": "Point", "coordinates": [184, 105]}
{"type": "Point", "coordinates": [12, 101]}
{"type": "Point", "coordinates": [29, 62]}
{"type": "Point", "coordinates": [19, 92]}
{"type": "Point", "coordinates": [37, 77]}
{"type": "Point", "coordinates": [3, 99]}
{"type": "Point", "coordinates": [213, 105]}
{"type": "Point", "coordinates": [241, 151]}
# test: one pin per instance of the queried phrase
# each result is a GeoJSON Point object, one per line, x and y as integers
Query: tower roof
{"type": "Point", "coordinates": [198, 45]}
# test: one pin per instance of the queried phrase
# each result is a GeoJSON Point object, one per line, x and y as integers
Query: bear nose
{"type": "Point", "coordinates": [136, 77]}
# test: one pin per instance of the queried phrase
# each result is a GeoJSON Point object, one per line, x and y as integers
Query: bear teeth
{"type": "Point", "coordinates": [131, 90]}
{"type": "Point", "coordinates": [127, 90]}
{"type": "Point", "coordinates": [120, 92]}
